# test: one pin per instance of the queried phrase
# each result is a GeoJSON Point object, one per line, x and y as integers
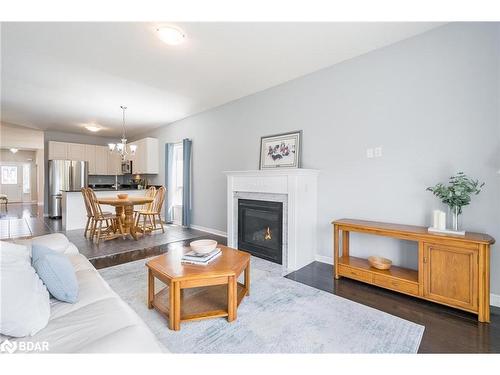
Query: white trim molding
{"type": "Point", "coordinates": [297, 189]}
{"type": "Point", "coordinates": [209, 230]}
{"type": "Point", "coordinates": [495, 300]}
{"type": "Point", "coordinates": [324, 259]}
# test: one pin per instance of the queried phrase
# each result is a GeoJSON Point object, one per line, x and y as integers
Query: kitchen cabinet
{"type": "Point", "coordinates": [90, 157]}
{"type": "Point", "coordinates": [75, 151]}
{"type": "Point", "coordinates": [114, 164]}
{"type": "Point", "coordinates": [101, 160]}
{"type": "Point", "coordinates": [145, 160]}
{"type": "Point", "coordinates": [58, 150]}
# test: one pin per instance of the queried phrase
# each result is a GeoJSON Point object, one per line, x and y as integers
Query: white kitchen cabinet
{"type": "Point", "coordinates": [58, 150]}
{"type": "Point", "coordinates": [101, 160]}
{"type": "Point", "coordinates": [76, 151]}
{"type": "Point", "coordinates": [145, 160]}
{"type": "Point", "coordinates": [90, 157]}
{"type": "Point", "coordinates": [114, 164]}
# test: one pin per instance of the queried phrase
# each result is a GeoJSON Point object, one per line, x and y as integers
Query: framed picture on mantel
{"type": "Point", "coordinates": [281, 150]}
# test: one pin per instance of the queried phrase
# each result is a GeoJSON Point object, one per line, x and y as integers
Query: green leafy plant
{"type": "Point", "coordinates": [458, 191]}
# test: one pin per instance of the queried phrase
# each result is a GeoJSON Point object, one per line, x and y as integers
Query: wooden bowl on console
{"type": "Point", "coordinates": [122, 196]}
{"type": "Point", "coordinates": [380, 263]}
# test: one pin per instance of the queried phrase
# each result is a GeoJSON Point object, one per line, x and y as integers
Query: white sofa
{"type": "Point", "coordinates": [100, 322]}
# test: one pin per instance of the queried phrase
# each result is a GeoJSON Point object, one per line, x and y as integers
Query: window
{"type": "Point", "coordinates": [26, 178]}
{"type": "Point", "coordinates": [178, 168]}
{"type": "Point", "coordinates": [9, 175]}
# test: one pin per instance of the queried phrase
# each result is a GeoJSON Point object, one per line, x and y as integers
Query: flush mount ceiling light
{"type": "Point", "coordinates": [93, 128]}
{"type": "Point", "coordinates": [14, 150]}
{"type": "Point", "coordinates": [171, 35]}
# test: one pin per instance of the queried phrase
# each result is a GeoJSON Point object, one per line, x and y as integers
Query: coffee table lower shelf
{"type": "Point", "coordinates": [199, 303]}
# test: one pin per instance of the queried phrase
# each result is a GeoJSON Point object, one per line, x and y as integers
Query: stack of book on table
{"type": "Point", "coordinates": [194, 258]}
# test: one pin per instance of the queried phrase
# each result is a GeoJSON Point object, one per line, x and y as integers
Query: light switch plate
{"type": "Point", "coordinates": [378, 151]}
{"type": "Point", "coordinates": [369, 153]}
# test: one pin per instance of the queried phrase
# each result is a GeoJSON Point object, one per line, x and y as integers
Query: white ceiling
{"type": "Point", "coordinates": [64, 75]}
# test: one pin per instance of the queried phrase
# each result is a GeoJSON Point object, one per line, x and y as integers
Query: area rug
{"type": "Point", "coordinates": [279, 316]}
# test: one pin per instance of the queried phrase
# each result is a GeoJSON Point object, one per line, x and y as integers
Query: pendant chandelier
{"type": "Point", "coordinates": [122, 148]}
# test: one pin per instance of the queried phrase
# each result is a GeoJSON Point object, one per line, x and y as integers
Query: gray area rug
{"type": "Point", "coordinates": [279, 316]}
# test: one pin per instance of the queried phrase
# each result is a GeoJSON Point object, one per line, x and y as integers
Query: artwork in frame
{"type": "Point", "coordinates": [281, 150]}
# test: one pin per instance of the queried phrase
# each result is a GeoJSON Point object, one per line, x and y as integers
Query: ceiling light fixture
{"type": "Point", "coordinates": [121, 148]}
{"type": "Point", "coordinates": [171, 35]}
{"type": "Point", "coordinates": [93, 128]}
{"type": "Point", "coordinates": [14, 150]}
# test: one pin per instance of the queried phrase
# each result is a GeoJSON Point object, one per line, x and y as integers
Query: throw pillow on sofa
{"type": "Point", "coordinates": [56, 271]}
{"type": "Point", "coordinates": [25, 304]}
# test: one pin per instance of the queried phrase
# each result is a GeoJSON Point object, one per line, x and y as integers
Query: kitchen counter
{"type": "Point", "coordinates": [74, 214]}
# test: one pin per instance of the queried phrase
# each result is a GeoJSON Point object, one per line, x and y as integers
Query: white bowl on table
{"type": "Point", "coordinates": [203, 246]}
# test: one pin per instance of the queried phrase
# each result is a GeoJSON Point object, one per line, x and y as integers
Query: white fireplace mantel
{"type": "Point", "coordinates": [297, 189]}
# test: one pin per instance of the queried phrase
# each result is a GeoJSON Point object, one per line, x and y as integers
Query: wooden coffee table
{"type": "Point", "coordinates": [195, 292]}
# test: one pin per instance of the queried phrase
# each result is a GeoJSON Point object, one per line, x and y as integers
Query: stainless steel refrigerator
{"type": "Point", "coordinates": [65, 175]}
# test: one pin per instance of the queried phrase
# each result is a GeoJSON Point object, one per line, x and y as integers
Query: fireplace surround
{"type": "Point", "coordinates": [296, 190]}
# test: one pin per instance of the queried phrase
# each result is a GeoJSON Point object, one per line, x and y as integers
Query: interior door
{"type": "Point", "coordinates": [451, 275]}
{"type": "Point", "coordinates": [11, 181]}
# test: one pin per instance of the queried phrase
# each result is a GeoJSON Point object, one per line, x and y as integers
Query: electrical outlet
{"type": "Point", "coordinates": [369, 153]}
{"type": "Point", "coordinates": [378, 151]}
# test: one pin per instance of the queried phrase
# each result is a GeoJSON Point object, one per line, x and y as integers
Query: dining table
{"type": "Point", "coordinates": [124, 208]}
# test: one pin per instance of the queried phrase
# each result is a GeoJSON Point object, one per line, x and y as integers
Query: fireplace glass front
{"type": "Point", "coordinates": [260, 228]}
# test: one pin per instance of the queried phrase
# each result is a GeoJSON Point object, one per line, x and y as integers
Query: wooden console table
{"type": "Point", "coordinates": [452, 270]}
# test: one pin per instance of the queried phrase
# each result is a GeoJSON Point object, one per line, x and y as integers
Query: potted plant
{"type": "Point", "coordinates": [457, 193]}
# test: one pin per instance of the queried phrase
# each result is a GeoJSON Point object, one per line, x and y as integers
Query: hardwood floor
{"type": "Point", "coordinates": [447, 330]}
{"type": "Point", "coordinates": [25, 220]}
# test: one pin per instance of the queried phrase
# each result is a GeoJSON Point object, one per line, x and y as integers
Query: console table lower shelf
{"type": "Point", "coordinates": [452, 270]}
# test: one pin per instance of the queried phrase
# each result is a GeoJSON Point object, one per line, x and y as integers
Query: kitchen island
{"type": "Point", "coordinates": [74, 214]}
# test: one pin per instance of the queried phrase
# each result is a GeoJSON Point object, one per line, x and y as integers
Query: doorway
{"type": "Point", "coordinates": [18, 176]}
{"type": "Point", "coordinates": [11, 182]}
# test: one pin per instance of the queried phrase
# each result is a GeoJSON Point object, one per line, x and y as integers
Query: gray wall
{"type": "Point", "coordinates": [431, 101]}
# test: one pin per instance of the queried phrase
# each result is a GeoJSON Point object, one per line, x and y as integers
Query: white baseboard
{"type": "Point", "coordinates": [494, 298]}
{"type": "Point", "coordinates": [324, 259]}
{"type": "Point", "coordinates": [210, 230]}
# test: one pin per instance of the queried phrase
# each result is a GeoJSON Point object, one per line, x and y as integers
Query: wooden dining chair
{"type": "Point", "coordinates": [150, 193]}
{"type": "Point", "coordinates": [90, 216]}
{"type": "Point", "coordinates": [152, 213]}
{"type": "Point", "coordinates": [112, 222]}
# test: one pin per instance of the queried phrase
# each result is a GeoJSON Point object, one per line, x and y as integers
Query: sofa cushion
{"type": "Point", "coordinates": [55, 241]}
{"type": "Point", "coordinates": [56, 271]}
{"type": "Point", "coordinates": [25, 306]}
{"type": "Point", "coordinates": [79, 330]}
{"type": "Point", "coordinates": [92, 288]}
{"type": "Point", "coordinates": [126, 340]}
